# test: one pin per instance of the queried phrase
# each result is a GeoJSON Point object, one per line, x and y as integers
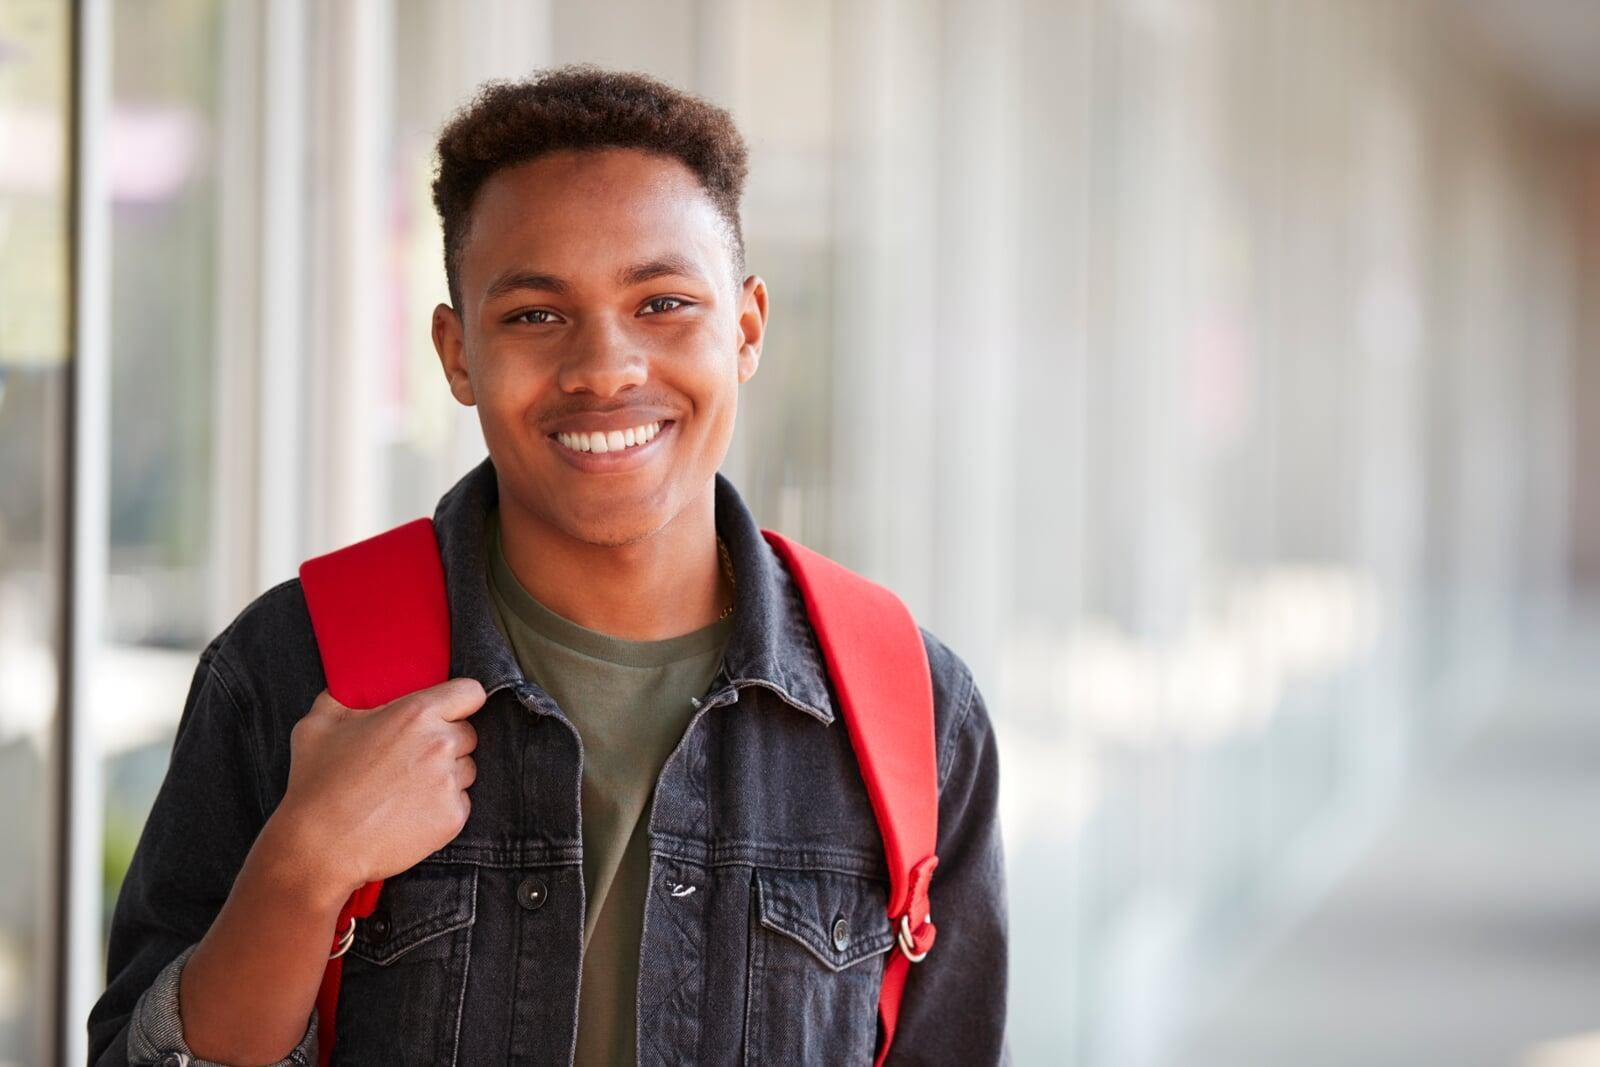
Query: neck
{"type": "Point", "coordinates": [661, 586]}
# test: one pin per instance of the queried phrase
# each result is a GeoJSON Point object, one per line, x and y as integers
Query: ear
{"type": "Point", "coordinates": [752, 325]}
{"type": "Point", "coordinates": [449, 341]}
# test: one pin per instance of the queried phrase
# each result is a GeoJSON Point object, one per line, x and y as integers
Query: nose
{"type": "Point", "coordinates": [602, 361]}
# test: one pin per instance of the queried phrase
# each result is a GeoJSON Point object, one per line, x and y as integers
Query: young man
{"type": "Point", "coordinates": [630, 827]}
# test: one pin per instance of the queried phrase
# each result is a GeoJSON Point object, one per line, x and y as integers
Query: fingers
{"type": "Point", "coordinates": [466, 771]}
{"type": "Point", "coordinates": [458, 698]}
{"type": "Point", "coordinates": [464, 737]}
{"type": "Point", "coordinates": [451, 701]}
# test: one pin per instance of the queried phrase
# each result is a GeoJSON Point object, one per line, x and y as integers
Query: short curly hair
{"type": "Point", "coordinates": [582, 106]}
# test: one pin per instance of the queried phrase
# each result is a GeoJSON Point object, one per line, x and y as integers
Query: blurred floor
{"type": "Point", "coordinates": [1470, 933]}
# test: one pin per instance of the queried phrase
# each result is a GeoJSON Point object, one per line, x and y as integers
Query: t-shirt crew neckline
{"type": "Point", "coordinates": [581, 639]}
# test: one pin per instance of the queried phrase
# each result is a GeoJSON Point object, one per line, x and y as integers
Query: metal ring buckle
{"type": "Point", "coordinates": [345, 940]}
{"type": "Point", "coordinates": [908, 944]}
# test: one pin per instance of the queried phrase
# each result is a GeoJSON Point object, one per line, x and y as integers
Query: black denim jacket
{"type": "Point", "coordinates": [765, 931]}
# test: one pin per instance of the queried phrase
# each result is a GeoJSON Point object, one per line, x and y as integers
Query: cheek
{"type": "Point", "coordinates": [715, 390]}
{"type": "Point", "coordinates": [509, 377]}
{"type": "Point", "coordinates": [506, 392]}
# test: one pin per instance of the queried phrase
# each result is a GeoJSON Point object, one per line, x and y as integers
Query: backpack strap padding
{"type": "Point", "coordinates": [879, 666]}
{"type": "Point", "coordinates": [382, 622]}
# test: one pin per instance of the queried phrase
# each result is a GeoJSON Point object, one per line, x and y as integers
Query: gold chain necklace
{"type": "Point", "coordinates": [727, 569]}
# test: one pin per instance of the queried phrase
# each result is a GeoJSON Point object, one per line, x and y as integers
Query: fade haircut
{"type": "Point", "coordinates": [581, 106]}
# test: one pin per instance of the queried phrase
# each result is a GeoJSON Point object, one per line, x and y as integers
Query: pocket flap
{"type": "Point", "coordinates": [841, 919]}
{"type": "Point", "coordinates": [416, 906]}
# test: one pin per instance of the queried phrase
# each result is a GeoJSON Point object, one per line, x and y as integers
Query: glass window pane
{"type": "Point", "coordinates": [34, 102]}
{"type": "Point", "coordinates": [164, 175]}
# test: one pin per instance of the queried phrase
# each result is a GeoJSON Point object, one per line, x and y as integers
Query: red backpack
{"type": "Point", "coordinates": [380, 639]}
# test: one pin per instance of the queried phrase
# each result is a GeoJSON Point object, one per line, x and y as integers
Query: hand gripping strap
{"type": "Point", "coordinates": [382, 623]}
{"type": "Point", "coordinates": [879, 667]}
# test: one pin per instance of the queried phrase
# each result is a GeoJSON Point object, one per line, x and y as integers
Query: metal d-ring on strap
{"type": "Point", "coordinates": [908, 944]}
{"type": "Point", "coordinates": [345, 940]}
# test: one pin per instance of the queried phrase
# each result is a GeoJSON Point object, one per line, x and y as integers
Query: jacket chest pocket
{"type": "Point", "coordinates": [817, 951]}
{"type": "Point", "coordinates": [406, 971]}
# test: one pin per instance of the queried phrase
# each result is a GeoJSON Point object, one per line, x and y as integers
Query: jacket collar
{"type": "Point", "coordinates": [772, 643]}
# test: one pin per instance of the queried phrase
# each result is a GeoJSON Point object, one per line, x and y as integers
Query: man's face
{"type": "Point", "coordinates": [597, 297]}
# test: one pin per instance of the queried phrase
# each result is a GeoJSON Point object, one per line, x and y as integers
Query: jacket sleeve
{"type": "Point", "coordinates": [155, 1035]}
{"type": "Point", "coordinates": [206, 815]}
{"type": "Point", "coordinates": [954, 1006]}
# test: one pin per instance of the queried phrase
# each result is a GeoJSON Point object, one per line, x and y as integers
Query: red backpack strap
{"type": "Point", "coordinates": [879, 667]}
{"type": "Point", "coordinates": [382, 623]}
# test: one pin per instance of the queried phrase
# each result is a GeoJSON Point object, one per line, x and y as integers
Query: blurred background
{"type": "Point", "coordinates": [1220, 378]}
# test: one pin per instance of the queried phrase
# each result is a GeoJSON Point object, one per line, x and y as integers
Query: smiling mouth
{"type": "Point", "coordinates": [612, 440]}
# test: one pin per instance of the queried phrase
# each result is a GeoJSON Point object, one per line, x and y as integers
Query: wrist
{"type": "Point", "coordinates": [302, 864]}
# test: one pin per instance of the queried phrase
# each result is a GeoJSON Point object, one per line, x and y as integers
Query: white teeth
{"type": "Point", "coordinates": [611, 440]}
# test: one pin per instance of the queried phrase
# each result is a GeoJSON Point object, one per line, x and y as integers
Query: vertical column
{"type": "Point", "coordinates": [257, 494]}
{"type": "Point", "coordinates": [974, 437]}
{"type": "Point", "coordinates": [235, 515]}
{"type": "Point", "coordinates": [1052, 308]}
{"type": "Point", "coordinates": [350, 303]}
{"type": "Point", "coordinates": [1582, 566]}
{"type": "Point", "coordinates": [1389, 368]}
{"type": "Point", "coordinates": [73, 909]}
{"type": "Point", "coordinates": [1552, 324]}
{"type": "Point", "coordinates": [280, 496]}
{"type": "Point", "coordinates": [888, 311]}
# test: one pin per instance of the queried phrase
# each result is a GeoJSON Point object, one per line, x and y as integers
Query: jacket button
{"type": "Point", "coordinates": [531, 894]}
{"type": "Point", "coordinates": [841, 934]}
{"type": "Point", "coordinates": [379, 926]}
{"type": "Point", "coordinates": [173, 1059]}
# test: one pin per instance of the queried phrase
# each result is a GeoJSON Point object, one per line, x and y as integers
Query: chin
{"type": "Point", "coordinates": [613, 528]}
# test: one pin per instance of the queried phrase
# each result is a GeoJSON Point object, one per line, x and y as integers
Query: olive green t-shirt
{"type": "Point", "coordinates": [630, 701]}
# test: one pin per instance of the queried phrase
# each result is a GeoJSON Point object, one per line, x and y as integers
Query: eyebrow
{"type": "Point", "coordinates": [660, 266]}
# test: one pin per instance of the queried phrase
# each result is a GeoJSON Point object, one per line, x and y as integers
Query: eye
{"type": "Point", "coordinates": [522, 316]}
{"type": "Point", "coordinates": [658, 299]}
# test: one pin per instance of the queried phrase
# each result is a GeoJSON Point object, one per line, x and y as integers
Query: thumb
{"type": "Point", "coordinates": [459, 697]}
{"type": "Point", "coordinates": [326, 705]}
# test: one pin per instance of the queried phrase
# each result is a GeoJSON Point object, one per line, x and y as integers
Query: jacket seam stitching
{"type": "Point", "coordinates": [218, 666]}
{"type": "Point", "coordinates": [466, 970]}
{"type": "Point", "coordinates": [248, 727]}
